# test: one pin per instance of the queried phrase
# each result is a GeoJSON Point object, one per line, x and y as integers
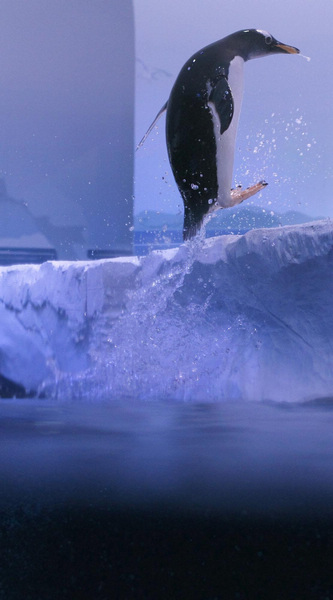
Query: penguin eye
{"type": "Point", "coordinates": [268, 39]}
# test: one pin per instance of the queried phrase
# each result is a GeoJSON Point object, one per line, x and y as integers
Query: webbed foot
{"type": "Point", "coordinates": [238, 195]}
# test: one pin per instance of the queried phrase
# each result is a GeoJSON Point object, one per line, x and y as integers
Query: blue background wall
{"type": "Point", "coordinates": [66, 125]}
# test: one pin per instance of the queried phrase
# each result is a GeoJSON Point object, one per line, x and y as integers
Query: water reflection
{"type": "Point", "coordinates": [223, 456]}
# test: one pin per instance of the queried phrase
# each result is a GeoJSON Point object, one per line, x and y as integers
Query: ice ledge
{"type": "Point", "coordinates": [269, 292]}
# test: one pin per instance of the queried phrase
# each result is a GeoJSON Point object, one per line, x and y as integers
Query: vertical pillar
{"type": "Point", "coordinates": [66, 126]}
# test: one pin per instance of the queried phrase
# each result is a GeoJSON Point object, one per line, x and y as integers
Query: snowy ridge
{"type": "Point", "coordinates": [246, 317]}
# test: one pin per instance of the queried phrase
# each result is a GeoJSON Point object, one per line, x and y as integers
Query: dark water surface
{"type": "Point", "coordinates": [166, 500]}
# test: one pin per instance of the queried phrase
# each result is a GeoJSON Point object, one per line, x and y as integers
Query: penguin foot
{"type": "Point", "coordinates": [238, 195]}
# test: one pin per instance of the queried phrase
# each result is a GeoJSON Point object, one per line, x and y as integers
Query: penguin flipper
{"type": "Point", "coordinates": [221, 104]}
{"type": "Point", "coordinates": [151, 127]}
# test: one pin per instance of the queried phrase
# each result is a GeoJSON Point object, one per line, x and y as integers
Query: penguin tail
{"type": "Point", "coordinates": [190, 232]}
{"type": "Point", "coordinates": [193, 221]}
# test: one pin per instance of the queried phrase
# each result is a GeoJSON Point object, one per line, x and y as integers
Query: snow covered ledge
{"type": "Point", "coordinates": [232, 317]}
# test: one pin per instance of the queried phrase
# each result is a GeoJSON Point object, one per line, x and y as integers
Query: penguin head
{"type": "Point", "coordinates": [255, 43]}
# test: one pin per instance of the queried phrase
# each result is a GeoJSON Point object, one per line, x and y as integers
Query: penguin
{"type": "Point", "coordinates": [202, 115]}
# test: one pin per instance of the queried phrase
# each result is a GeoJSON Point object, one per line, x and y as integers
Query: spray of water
{"type": "Point", "coordinates": [284, 153]}
{"type": "Point", "coordinates": [153, 344]}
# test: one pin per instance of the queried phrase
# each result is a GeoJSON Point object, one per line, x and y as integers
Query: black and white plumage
{"type": "Point", "coordinates": [202, 115]}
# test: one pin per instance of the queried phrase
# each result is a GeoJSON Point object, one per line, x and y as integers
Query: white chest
{"type": "Point", "coordinates": [225, 143]}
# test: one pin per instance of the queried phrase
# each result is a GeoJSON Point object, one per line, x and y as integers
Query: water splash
{"type": "Point", "coordinates": [284, 153]}
{"type": "Point", "coordinates": [307, 58]}
{"type": "Point", "coordinates": [140, 353]}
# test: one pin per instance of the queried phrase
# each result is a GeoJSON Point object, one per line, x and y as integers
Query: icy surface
{"type": "Point", "coordinates": [235, 317]}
